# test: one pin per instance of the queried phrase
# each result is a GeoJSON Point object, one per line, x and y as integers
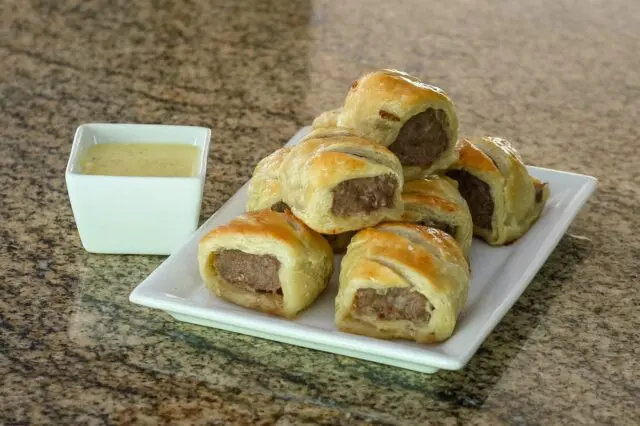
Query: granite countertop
{"type": "Point", "coordinates": [560, 79]}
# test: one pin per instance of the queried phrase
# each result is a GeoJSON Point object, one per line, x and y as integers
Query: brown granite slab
{"type": "Point", "coordinates": [560, 79]}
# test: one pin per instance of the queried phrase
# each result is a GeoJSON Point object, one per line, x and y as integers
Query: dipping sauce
{"type": "Point", "coordinates": [141, 159]}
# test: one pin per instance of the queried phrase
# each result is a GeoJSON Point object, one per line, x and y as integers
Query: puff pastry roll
{"type": "Point", "coordinates": [416, 121]}
{"type": "Point", "coordinates": [340, 183]}
{"type": "Point", "coordinates": [503, 198]}
{"type": "Point", "coordinates": [327, 119]}
{"type": "Point", "coordinates": [436, 202]}
{"type": "Point", "coordinates": [265, 192]}
{"type": "Point", "coordinates": [267, 261]}
{"type": "Point", "coordinates": [402, 281]}
{"type": "Point", "coordinates": [328, 132]}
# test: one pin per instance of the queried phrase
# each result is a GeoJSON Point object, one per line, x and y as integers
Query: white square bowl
{"type": "Point", "coordinates": [130, 214]}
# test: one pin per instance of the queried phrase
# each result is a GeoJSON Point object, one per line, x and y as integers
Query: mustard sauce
{"type": "Point", "coordinates": [141, 159]}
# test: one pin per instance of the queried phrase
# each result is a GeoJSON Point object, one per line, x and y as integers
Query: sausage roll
{"type": "Point", "coordinates": [340, 183]}
{"type": "Point", "coordinates": [327, 119]}
{"type": "Point", "coordinates": [328, 132]}
{"type": "Point", "coordinates": [266, 260]}
{"type": "Point", "coordinates": [503, 198]}
{"type": "Point", "coordinates": [436, 202]}
{"type": "Point", "coordinates": [265, 192]}
{"type": "Point", "coordinates": [416, 121]}
{"type": "Point", "coordinates": [402, 281]}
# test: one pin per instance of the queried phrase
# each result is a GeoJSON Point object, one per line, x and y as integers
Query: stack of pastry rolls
{"type": "Point", "coordinates": [385, 179]}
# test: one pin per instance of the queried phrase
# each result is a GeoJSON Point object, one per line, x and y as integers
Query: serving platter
{"type": "Point", "coordinates": [499, 276]}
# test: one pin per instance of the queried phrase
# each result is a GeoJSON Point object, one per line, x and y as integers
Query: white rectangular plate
{"type": "Point", "coordinates": [500, 275]}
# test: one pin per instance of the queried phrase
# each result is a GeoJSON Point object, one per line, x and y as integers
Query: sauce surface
{"type": "Point", "coordinates": [141, 159]}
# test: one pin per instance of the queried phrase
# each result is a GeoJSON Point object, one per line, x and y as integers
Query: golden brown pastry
{"type": "Point", "coordinates": [341, 183]}
{"type": "Point", "coordinates": [328, 132]}
{"type": "Point", "coordinates": [416, 121]}
{"type": "Point", "coordinates": [402, 281]}
{"type": "Point", "coordinates": [265, 192]}
{"type": "Point", "coordinates": [266, 260]}
{"type": "Point", "coordinates": [503, 198]}
{"type": "Point", "coordinates": [436, 202]}
{"type": "Point", "coordinates": [328, 119]}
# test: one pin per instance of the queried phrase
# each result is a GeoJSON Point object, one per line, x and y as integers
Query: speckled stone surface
{"type": "Point", "coordinates": [560, 79]}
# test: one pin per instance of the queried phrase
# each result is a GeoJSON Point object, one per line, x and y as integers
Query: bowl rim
{"type": "Point", "coordinates": [203, 141]}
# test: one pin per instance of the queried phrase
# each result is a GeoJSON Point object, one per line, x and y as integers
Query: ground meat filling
{"type": "Point", "coordinates": [363, 195]}
{"type": "Point", "coordinates": [252, 272]}
{"type": "Point", "coordinates": [478, 196]}
{"type": "Point", "coordinates": [539, 192]}
{"type": "Point", "coordinates": [280, 206]}
{"type": "Point", "coordinates": [422, 139]}
{"type": "Point", "coordinates": [393, 304]}
{"type": "Point", "coordinates": [451, 230]}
